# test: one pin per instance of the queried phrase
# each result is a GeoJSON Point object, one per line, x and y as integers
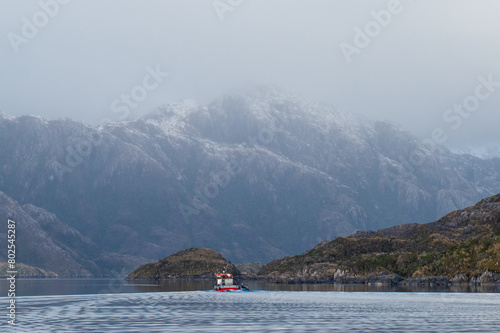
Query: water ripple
{"type": "Point", "coordinates": [260, 311]}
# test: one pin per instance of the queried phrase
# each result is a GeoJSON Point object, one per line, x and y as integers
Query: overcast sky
{"type": "Point", "coordinates": [410, 67]}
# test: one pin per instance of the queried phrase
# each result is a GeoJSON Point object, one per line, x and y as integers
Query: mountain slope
{"type": "Point", "coordinates": [35, 246]}
{"type": "Point", "coordinates": [188, 263]}
{"type": "Point", "coordinates": [42, 240]}
{"type": "Point", "coordinates": [462, 245]}
{"type": "Point", "coordinates": [255, 177]}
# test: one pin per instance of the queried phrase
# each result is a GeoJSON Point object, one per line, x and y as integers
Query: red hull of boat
{"type": "Point", "coordinates": [226, 289]}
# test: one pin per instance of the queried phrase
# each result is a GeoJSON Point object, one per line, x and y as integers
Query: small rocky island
{"type": "Point", "coordinates": [190, 263]}
{"type": "Point", "coordinates": [462, 247]}
{"type": "Point", "coordinates": [26, 271]}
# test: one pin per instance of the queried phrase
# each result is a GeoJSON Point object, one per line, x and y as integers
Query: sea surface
{"type": "Point", "coordinates": [118, 306]}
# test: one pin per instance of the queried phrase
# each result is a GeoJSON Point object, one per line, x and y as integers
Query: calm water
{"type": "Point", "coordinates": [116, 306]}
{"type": "Point", "coordinates": [261, 311]}
{"type": "Point", "coordinates": [38, 287]}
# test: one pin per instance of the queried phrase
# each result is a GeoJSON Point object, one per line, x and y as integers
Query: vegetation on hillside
{"type": "Point", "coordinates": [26, 271]}
{"type": "Point", "coordinates": [463, 242]}
{"type": "Point", "coordinates": [249, 268]}
{"type": "Point", "coordinates": [192, 262]}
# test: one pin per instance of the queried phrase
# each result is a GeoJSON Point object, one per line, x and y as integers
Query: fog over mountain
{"type": "Point", "coordinates": [131, 130]}
{"type": "Point", "coordinates": [254, 176]}
{"type": "Point", "coordinates": [402, 61]}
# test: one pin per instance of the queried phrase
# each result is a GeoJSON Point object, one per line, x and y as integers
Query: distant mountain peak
{"type": "Point", "coordinates": [4, 115]}
{"type": "Point", "coordinates": [254, 176]}
{"type": "Point", "coordinates": [182, 108]}
{"type": "Point", "coordinates": [483, 152]}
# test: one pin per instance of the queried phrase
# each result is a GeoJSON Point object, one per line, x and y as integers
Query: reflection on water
{"type": "Point", "coordinates": [33, 287]}
{"type": "Point", "coordinates": [261, 285]}
{"type": "Point", "coordinates": [260, 311]}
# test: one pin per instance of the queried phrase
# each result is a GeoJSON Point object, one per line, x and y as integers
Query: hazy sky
{"type": "Point", "coordinates": [417, 61]}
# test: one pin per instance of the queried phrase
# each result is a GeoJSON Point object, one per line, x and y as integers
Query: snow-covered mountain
{"type": "Point", "coordinates": [486, 153]}
{"type": "Point", "coordinates": [254, 176]}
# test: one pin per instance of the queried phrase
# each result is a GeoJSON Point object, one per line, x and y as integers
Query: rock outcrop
{"type": "Point", "coordinates": [462, 247]}
{"type": "Point", "coordinates": [47, 247]}
{"type": "Point", "coordinates": [255, 176]}
{"type": "Point", "coordinates": [190, 263]}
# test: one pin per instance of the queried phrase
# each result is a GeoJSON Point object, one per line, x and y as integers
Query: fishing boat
{"type": "Point", "coordinates": [225, 282]}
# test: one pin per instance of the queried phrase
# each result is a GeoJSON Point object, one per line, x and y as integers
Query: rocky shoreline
{"type": "Point", "coordinates": [188, 264]}
{"type": "Point", "coordinates": [170, 277]}
{"type": "Point", "coordinates": [383, 279]}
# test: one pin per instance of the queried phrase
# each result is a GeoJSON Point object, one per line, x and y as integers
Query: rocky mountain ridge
{"type": "Point", "coordinates": [255, 176]}
{"type": "Point", "coordinates": [52, 247]}
{"type": "Point", "coordinates": [462, 247]}
{"type": "Point", "coordinates": [190, 263]}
